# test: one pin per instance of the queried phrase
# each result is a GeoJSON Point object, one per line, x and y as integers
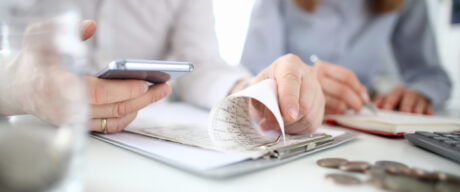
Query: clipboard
{"type": "Point", "coordinates": [275, 158]}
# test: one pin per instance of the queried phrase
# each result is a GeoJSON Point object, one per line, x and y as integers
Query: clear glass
{"type": "Point", "coordinates": [43, 110]}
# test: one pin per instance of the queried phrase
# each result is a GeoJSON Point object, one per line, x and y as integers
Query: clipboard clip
{"type": "Point", "coordinates": [283, 152]}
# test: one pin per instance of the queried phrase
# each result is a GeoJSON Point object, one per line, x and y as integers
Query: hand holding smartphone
{"type": "Point", "coordinates": [149, 70]}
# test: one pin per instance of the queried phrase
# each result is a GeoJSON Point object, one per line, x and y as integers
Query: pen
{"type": "Point", "coordinates": [369, 105]}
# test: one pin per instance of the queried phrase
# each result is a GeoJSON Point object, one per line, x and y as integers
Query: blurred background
{"type": "Point", "coordinates": [231, 28]}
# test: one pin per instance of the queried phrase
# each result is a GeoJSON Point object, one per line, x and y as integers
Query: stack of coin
{"type": "Point", "coordinates": [391, 175]}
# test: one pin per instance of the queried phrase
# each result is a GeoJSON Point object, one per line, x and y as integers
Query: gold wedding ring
{"type": "Point", "coordinates": [104, 126]}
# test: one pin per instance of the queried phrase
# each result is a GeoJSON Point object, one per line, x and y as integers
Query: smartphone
{"type": "Point", "coordinates": [149, 70]}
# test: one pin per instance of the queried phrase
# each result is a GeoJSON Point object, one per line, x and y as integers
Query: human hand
{"type": "Point", "coordinates": [341, 87]}
{"type": "Point", "coordinates": [118, 101]}
{"type": "Point", "coordinates": [38, 81]}
{"type": "Point", "coordinates": [406, 100]}
{"type": "Point", "coordinates": [300, 97]}
{"type": "Point", "coordinates": [48, 90]}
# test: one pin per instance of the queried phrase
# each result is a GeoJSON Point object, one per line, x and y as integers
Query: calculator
{"type": "Point", "coordinates": [441, 143]}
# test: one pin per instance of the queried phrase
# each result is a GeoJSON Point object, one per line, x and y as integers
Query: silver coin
{"type": "Point", "coordinates": [447, 187]}
{"type": "Point", "coordinates": [331, 162]}
{"type": "Point", "coordinates": [342, 179]}
{"type": "Point", "coordinates": [378, 172]}
{"type": "Point", "coordinates": [423, 174]}
{"type": "Point", "coordinates": [406, 183]}
{"type": "Point", "coordinates": [418, 173]}
{"type": "Point", "coordinates": [355, 166]}
{"type": "Point", "coordinates": [441, 176]}
{"type": "Point", "coordinates": [390, 163]}
{"type": "Point", "coordinates": [397, 170]}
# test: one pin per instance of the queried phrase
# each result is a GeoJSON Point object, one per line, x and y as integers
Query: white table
{"type": "Point", "coordinates": [110, 168]}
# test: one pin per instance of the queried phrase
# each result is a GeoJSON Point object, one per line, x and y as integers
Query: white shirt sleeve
{"type": "Point", "coordinates": [193, 39]}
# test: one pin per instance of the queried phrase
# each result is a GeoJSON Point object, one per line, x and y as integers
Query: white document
{"type": "Point", "coordinates": [230, 128]}
{"type": "Point", "coordinates": [175, 153]}
{"type": "Point", "coordinates": [184, 155]}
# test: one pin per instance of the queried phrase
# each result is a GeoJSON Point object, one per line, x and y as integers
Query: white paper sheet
{"type": "Point", "coordinates": [231, 127]}
{"type": "Point", "coordinates": [226, 135]}
{"type": "Point", "coordinates": [175, 153]}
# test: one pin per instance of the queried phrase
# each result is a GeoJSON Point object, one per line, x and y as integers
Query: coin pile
{"type": "Point", "coordinates": [390, 175]}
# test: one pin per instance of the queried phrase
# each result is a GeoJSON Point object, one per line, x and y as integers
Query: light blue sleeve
{"type": "Point", "coordinates": [265, 40]}
{"type": "Point", "coordinates": [415, 51]}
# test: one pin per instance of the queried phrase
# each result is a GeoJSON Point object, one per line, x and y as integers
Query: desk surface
{"type": "Point", "coordinates": [110, 168]}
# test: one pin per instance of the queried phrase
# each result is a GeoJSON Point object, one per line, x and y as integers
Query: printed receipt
{"type": "Point", "coordinates": [231, 127]}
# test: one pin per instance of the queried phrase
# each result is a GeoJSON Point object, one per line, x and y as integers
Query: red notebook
{"type": "Point", "coordinates": [393, 124]}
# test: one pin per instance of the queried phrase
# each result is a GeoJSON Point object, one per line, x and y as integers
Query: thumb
{"type": "Point", "coordinates": [88, 28]}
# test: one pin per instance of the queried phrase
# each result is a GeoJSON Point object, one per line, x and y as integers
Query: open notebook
{"type": "Point", "coordinates": [393, 124]}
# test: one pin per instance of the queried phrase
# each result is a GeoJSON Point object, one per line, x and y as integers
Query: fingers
{"type": "Point", "coordinates": [309, 123]}
{"type": "Point", "coordinates": [421, 106]}
{"type": "Point", "coordinates": [430, 110]}
{"type": "Point", "coordinates": [335, 106]}
{"type": "Point", "coordinates": [88, 28]}
{"type": "Point", "coordinates": [344, 76]}
{"type": "Point", "coordinates": [269, 122]}
{"type": "Point", "coordinates": [312, 119]}
{"type": "Point", "coordinates": [113, 124]}
{"type": "Point", "coordinates": [123, 108]}
{"type": "Point", "coordinates": [102, 91]}
{"type": "Point", "coordinates": [392, 100]}
{"type": "Point", "coordinates": [341, 85]}
{"type": "Point", "coordinates": [378, 101]}
{"type": "Point", "coordinates": [342, 93]}
{"type": "Point", "coordinates": [407, 100]}
{"type": "Point", "coordinates": [289, 79]}
{"type": "Point", "coordinates": [120, 114]}
{"type": "Point", "coordinates": [301, 99]}
{"type": "Point", "coordinates": [312, 102]}
{"type": "Point", "coordinates": [256, 109]}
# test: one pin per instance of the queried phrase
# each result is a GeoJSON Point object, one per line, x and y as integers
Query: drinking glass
{"type": "Point", "coordinates": [43, 108]}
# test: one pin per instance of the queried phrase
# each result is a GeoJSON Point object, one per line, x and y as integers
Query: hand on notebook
{"type": "Point", "coordinates": [342, 88]}
{"type": "Point", "coordinates": [406, 100]}
{"type": "Point", "coordinates": [300, 97]}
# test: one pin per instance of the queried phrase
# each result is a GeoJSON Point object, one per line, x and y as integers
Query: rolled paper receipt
{"type": "Point", "coordinates": [231, 127]}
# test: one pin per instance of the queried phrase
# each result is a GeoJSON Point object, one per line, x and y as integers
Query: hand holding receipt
{"type": "Point", "coordinates": [231, 129]}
